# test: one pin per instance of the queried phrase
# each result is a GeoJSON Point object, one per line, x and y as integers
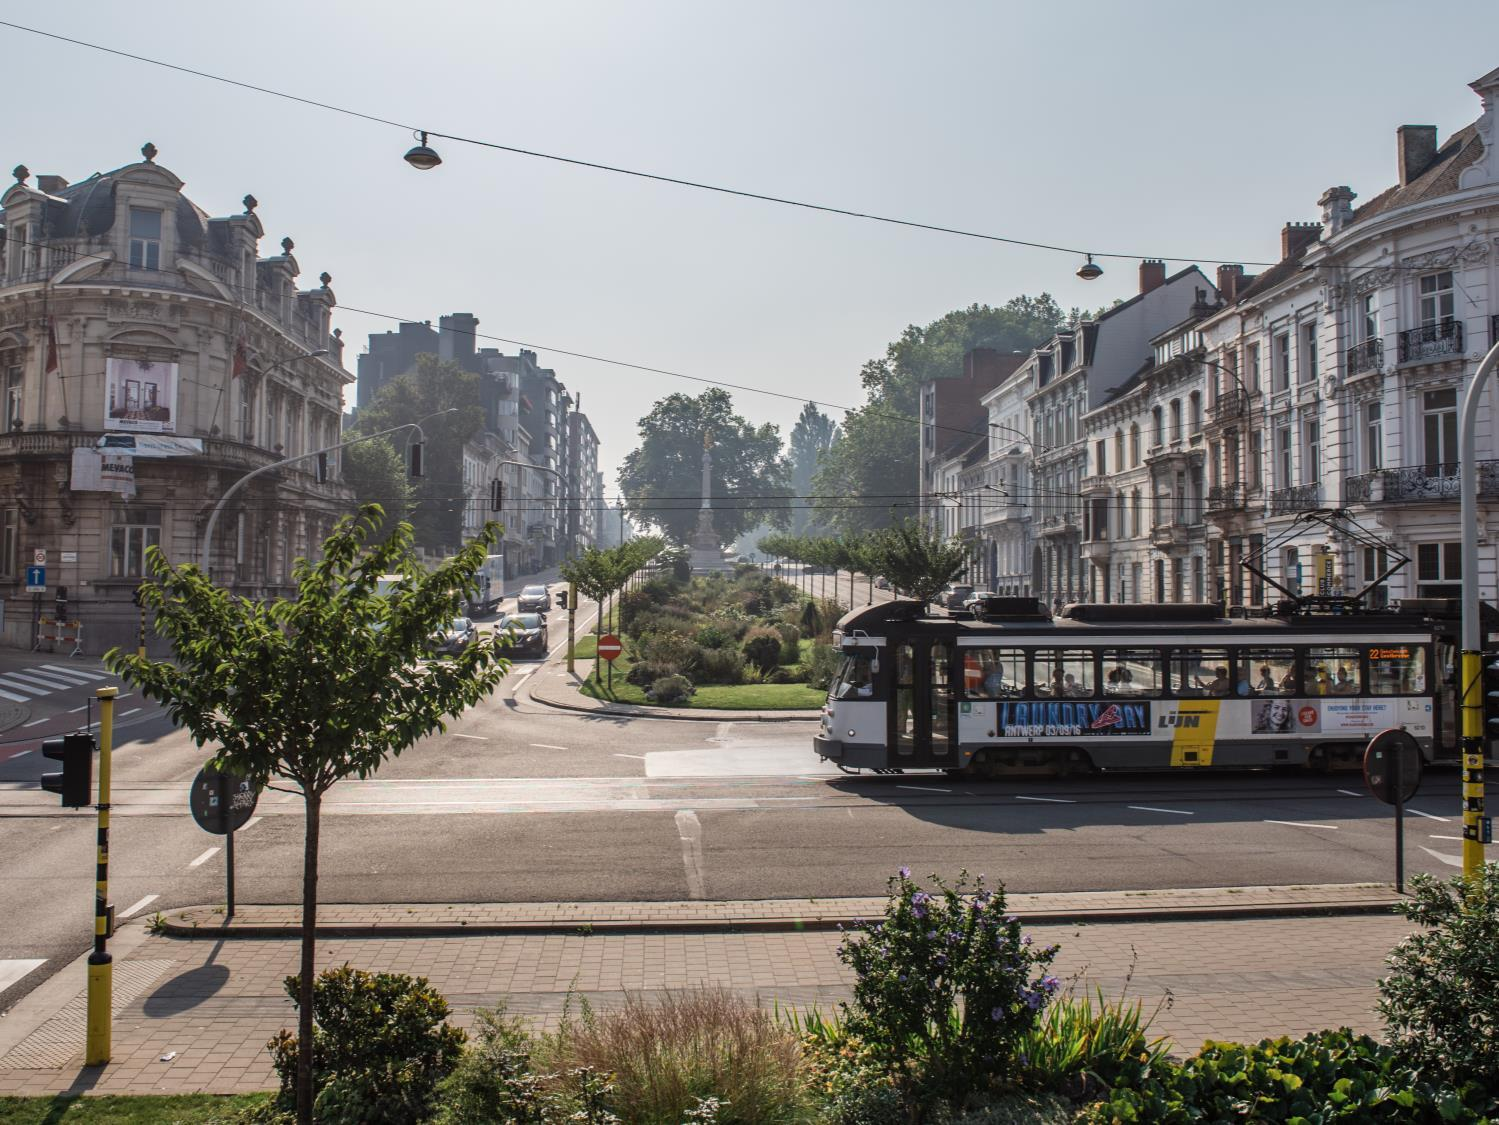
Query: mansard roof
{"type": "Point", "coordinates": [1463, 148]}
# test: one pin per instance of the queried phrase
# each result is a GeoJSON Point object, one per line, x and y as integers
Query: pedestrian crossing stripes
{"type": "Point", "coordinates": [24, 685]}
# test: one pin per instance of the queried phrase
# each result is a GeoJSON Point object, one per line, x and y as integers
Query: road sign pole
{"type": "Point", "coordinates": [100, 968]}
{"type": "Point", "coordinates": [226, 798]}
{"type": "Point", "coordinates": [1396, 779]}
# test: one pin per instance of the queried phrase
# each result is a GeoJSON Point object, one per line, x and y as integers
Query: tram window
{"type": "Point", "coordinates": [1267, 671]}
{"type": "Point", "coordinates": [1332, 671]}
{"type": "Point", "coordinates": [1132, 671]}
{"type": "Point", "coordinates": [856, 675]}
{"type": "Point", "coordinates": [993, 673]}
{"type": "Point", "coordinates": [1063, 673]}
{"type": "Point", "coordinates": [1201, 671]}
{"type": "Point", "coordinates": [1396, 669]}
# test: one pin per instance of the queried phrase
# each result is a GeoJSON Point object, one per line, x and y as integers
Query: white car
{"type": "Point", "coordinates": [974, 598]}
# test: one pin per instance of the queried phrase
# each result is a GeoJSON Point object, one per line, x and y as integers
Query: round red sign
{"type": "Point", "coordinates": [609, 646]}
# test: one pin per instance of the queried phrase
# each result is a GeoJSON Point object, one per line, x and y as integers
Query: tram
{"type": "Point", "coordinates": [1011, 689]}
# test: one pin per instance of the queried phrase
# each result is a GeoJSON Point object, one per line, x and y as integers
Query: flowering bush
{"type": "Point", "coordinates": [945, 986]}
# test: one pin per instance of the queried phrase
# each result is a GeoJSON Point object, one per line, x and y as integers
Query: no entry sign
{"type": "Point", "coordinates": [610, 647]}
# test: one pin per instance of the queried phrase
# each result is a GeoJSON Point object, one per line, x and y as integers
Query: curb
{"type": "Point", "coordinates": [707, 715]}
{"type": "Point", "coordinates": [621, 927]}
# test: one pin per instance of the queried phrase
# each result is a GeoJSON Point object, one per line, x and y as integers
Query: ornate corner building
{"type": "Point", "coordinates": [149, 359]}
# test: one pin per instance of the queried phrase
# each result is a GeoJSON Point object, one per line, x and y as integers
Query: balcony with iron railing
{"type": "Point", "coordinates": [1418, 484]}
{"type": "Point", "coordinates": [1227, 497]}
{"type": "Point", "coordinates": [1058, 523]}
{"type": "Point", "coordinates": [1172, 533]}
{"type": "Point", "coordinates": [1431, 342]}
{"type": "Point", "coordinates": [1296, 498]}
{"type": "Point", "coordinates": [1365, 357]}
{"type": "Point", "coordinates": [1231, 406]}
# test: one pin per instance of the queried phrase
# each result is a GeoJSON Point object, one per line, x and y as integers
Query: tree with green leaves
{"type": "Point", "coordinates": [436, 385]}
{"type": "Point", "coordinates": [377, 473]}
{"type": "Point", "coordinates": [916, 558]}
{"type": "Point", "coordinates": [309, 690]}
{"type": "Point", "coordinates": [662, 477]}
{"type": "Point", "coordinates": [600, 574]}
{"type": "Point", "coordinates": [811, 438]}
{"type": "Point", "coordinates": [873, 469]}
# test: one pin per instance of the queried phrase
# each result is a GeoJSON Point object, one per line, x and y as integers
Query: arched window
{"type": "Point", "coordinates": [1134, 518]}
{"type": "Point", "coordinates": [1118, 451]}
{"type": "Point", "coordinates": [1194, 411]}
{"type": "Point", "coordinates": [1176, 419]}
{"type": "Point", "coordinates": [1134, 444]}
{"type": "Point", "coordinates": [1157, 426]}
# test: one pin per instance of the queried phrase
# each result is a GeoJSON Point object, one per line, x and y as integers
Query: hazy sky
{"type": "Point", "coordinates": [1149, 128]}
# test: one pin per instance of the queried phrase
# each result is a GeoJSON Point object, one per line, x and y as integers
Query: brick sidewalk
{"type": "Point", "coordinates": [208, 1007]}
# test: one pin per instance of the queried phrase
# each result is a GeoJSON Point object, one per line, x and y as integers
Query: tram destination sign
{"type": "Point", "coordinates": [1044, 719]}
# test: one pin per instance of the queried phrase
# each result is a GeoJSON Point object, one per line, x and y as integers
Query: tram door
{"type": "Point", "coordinates": [923, 717]}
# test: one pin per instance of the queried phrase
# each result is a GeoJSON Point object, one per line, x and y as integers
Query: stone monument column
{"type": "Point", "coordinates": [707, 555]}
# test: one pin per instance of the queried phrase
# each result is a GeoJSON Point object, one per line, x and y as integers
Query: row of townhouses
{"type": "Point", "coordinates": [152, 355]}
{"type": "Point", "coordinates": [536, 441]}
{"type": "Point", "coordinates": [1145, 454]}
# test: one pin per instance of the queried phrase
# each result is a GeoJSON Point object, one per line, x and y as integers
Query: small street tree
{"type": "Point", "coordinates": [315, 688]}
{"type": "Point", "coordinates": [916, 559]}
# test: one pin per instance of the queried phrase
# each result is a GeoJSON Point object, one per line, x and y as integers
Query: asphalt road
{"type": "Point", "coordinates": [520, 802]}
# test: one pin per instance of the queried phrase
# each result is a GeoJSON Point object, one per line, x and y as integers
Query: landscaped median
{"type": "Point", "coordinates": [746, 642]}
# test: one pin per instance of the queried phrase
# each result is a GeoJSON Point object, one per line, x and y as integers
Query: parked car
{"type": "Point", "coordinates": [954, 596]}
{"type": "Point", "coordinates": [527, 632]}
{"type": "Point", "coordinates": [974, 598]}
{"type": "Point", "coordinates": [881, 582]}
{"type": "Point", "coordinates": [534, 599]}
{"type": "Point", "coordinates": [459, 634]}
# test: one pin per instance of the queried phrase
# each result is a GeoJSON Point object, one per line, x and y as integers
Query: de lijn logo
{"type": "Point", "coordinates": [1073, 720]}
{"type": "Point", "coordinates": [1177, 719]}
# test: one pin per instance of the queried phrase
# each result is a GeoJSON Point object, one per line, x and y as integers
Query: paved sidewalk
{"type": "Point", "coordinates": [554, 686]}
{"type": "Point", "coordinates": [195, 1015]}
{"type": "Point", "coordinates": [774, 915]}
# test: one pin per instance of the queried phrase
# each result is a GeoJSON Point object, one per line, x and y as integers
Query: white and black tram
{"type": "Point", "coordinates": [1013, 689]}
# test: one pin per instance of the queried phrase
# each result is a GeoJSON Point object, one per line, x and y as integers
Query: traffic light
{"type": "Point", "coordinates": [76, 781]}
{"type": "Point", "coordinates": [135, 597]}
{"type": "Point", "coordinates": [320, 473]}
{"type": "Point", "coordinates": [496, 495]}
{"type": "Point", "coordinates": [414, 458]}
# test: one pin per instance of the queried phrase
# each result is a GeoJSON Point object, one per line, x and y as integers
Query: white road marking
{"type": "Point", "coordinates": [1048, 800]}
{"type": "Point", "coordinates": [924, 788]}
{"type": "Point", "coordinates": [1450, 860]}
{"type": "Point", "coordinates": [21, 754]}
{"type": "Point", "coordinates": [14, 698]}
{"type": "Point", "coordinates": [1301, 824]}
{"type": "Point", "coordinates": [1427, 815]}
{"type": "Point", "coordinates": [1152, 808]}
{"type": "Point", "coordinates": [36, 722]}
{"type": "Point", "coordinates": [127, 714]}
{"type": "Point", "coordinates": [22, 686]}
{"type": "Point", "coordinates": [1434, 836]}
{"type": "Point", "coordinates": [138, 907]}
{"type": "Point", "coordinates": [1350, 793]}
{"type": "Point", "coordinates": [547, 746]}
{"type": "Point", "coordinates": [204, 858]}
{"type": "Point", "coordinates": [800, 778]}
{"type": "Point", "coordinates": [46, 680]}
{"type": "Point", "coordinates": [249, 824]}
{"type": "Point", "coordinates": [75, 710]}
{"type": "Point", "coordinates": [474, 737]}
{"type": "Point", "coordinates": [640, 757]}
{"type": "Point", "coordinates": [76, 672]}
{"type": "Point", "coordinates": [13, 970]}
{"type": "Point", "coordinates": [690, 832]}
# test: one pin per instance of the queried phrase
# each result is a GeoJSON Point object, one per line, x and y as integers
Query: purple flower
{"type": "Point", "coordinates": [1025, 940]}
{"type": "Point", "coordinates": [903, 978]}
{"type": "Point", "coordinates": [1051, 984]}
{"type": "Point", "coordinates": [1011, 919]}
{"type": "Point", "coordinates": [942, 960]}
{"type": "Point", "coordinates": [1032, 1000]}
{"type": "Point", "coordinates": [905, 872]}
{"type": "Point", "coordinates": [931, 935]}
{"type": "Point", "coordinates": [953, 937]}
{"type": "Point", "coordinates": [997, 1014]}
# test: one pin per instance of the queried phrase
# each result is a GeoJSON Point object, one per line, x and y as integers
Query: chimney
{"type": "Point", "coordinates": [455, 336]}
{"type": "Point", "coordinates": [1295, 237]}
{"type": "Point", "coordinates": [1415, 149]}
{"type": "Point", "coordinates": [1152, 274]}
{"type": "Point", "coordinates": [51, 185]}
{"type": "Point", "coordinates": [1202, 307]}
{"type": "Point", "coordinates": [1230, 278]}
{"type": "Point", "coordinates": [1337, 209]}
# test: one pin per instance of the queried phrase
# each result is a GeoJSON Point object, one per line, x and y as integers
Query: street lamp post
{"type": "Point", "coordinates": [206, 552]}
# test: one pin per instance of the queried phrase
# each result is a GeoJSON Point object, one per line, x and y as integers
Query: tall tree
{"type": "Point", "coordinates": [662, 477]}
{"type": "Point", "coordinates": [377, 474]}
{"type": "Point", "coordinates": [436, 385]}
{"type": "Point", "coordinates": [875, 462]}
{"type": "Point", "coordinates": [811, 438]}
{"type": "Point", "coordinates": [317, 688]}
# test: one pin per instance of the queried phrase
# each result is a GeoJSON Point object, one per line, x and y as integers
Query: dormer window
{"type": "Point", "coordinates": [145, 239]}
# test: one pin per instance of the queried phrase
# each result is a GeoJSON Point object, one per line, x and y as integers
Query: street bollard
{"type": "Point", "coordinates": [100, 969]}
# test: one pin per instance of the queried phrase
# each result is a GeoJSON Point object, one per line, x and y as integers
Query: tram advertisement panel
{"type": "Point", "coordinates": [1072, 720]}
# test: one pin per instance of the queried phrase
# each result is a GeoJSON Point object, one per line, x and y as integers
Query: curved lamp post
{"type": "Point", "coordinates": [1471, 673]}
{"type": "Point", "coordinates": [205, 554]}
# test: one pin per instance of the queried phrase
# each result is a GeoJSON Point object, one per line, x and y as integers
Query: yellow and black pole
{"type": "Point", "coordinates": [100, 969]}
{"type": "Point", "coordinates": [1471, 705]}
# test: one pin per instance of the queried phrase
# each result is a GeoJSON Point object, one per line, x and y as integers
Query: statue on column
{"type": "Point", "coordinates": [707, 555]}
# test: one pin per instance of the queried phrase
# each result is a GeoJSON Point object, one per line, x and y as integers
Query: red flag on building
{"type": "Point", "coordinates": [53, 363]}
{"type": "Point", "coordinates": [241, 360]}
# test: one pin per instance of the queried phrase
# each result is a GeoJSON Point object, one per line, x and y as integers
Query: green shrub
{"type": "Point", "coordinates": [810, 620]}
{"type": "Point", "coordinates": [1440, 1002]}
{"type": "Point", "coordinates": [945, 987]}
{"type": "Point", "coordinates": [634, 603]}
{"type": "Point", "coordinates": [380, 1046]}
{"type": "Point", "coordinates": [713, 635]}
{"type": "Point", "coordinates": [681, 568]}
{"type": "Point", "coordinates": [1327, 1076]}
{"type": "Point", "coordinates": [667, 1058]}
{"type": "Point", "coordinates": [493, 1080]}
{"type": "Point", "coordinates": [668, 648]}
{"type": "Point", "coordinates": [719, 666]}
{"type": "Point", "coordinates": [646, 672]}
{"type": "Point", "coordinates": [821, 665]}
{"type": "Point", "coordinates": [1077, 1047]}
{"type": "Point", "coordinates": [670, 691]}
{"type": "Point", "coordinates": [762, 648]}
{"type": "Point", "coordinates": [786, 674]}
{"type": "Point", "coordinates": [791, 642]}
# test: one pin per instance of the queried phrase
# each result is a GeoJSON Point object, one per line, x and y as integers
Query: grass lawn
{"type": "Point", "coordinates": [142, 1109]}
{"type": "Point", "coordinates": [728, 697]}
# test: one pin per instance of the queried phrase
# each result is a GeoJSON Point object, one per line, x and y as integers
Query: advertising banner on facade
{"type": "Point", "coordinates": [150, 445]}
{"type": "Point", "coordinates": [141, 395]}
{"type": "Point", "coordinates": [94, 471]}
